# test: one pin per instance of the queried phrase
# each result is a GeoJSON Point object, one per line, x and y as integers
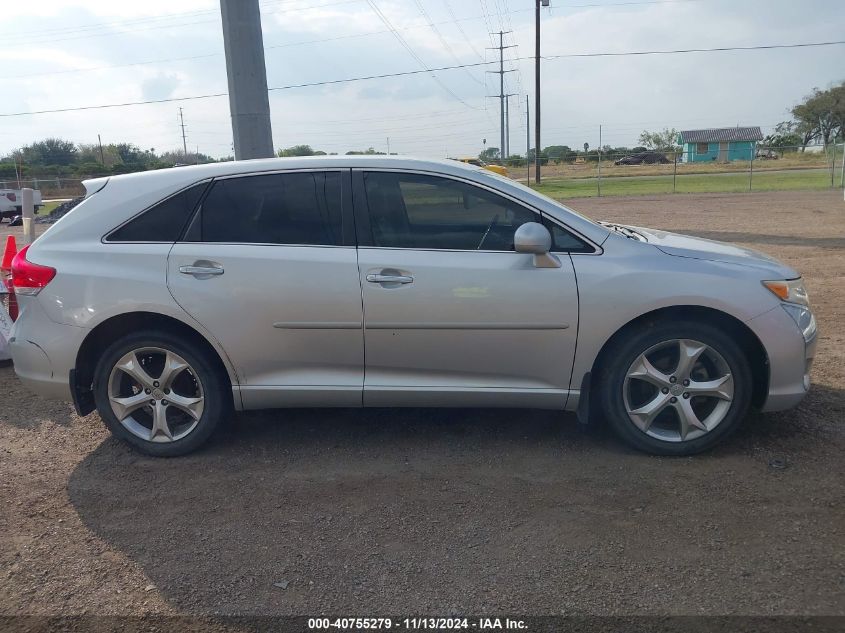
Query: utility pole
{"type": "Point", "coordinates": [507, 150]}
{"type": "Point", "coordinates": [184, 138]}
{"type": "Point", "coordinates": [501, 72]}
{"type": "Point", "coordinates": [388, 146]}
{"type": "Point", "coordinates": [508, 124]}
{"type": "Point", "coordinates": [100, 143]}
{"type": "Point", "coordinates": [544, 3]}
{"type": "Point", "coordinates": [842, 177]}
{"type": "Point", "coordinates": [249, 101]}
{"type": "Point", "coordinates": [527, 140]}
{"type": "Point", "coordinates": [599, 161]}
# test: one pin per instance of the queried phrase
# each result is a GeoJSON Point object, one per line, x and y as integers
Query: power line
{"type": "Point", "coordinates": [457, 24]}
{"type": "Point", "coordinates": [50, 34]}
{"type": "Point", "coordinates": [691, 50]}
{"type": "Point", "coordinates": [454, 20]}
{"type": "Point", "coordinates": [94, 32]}
{"type": "Point", "coordinates": [443, 40]}
{"type": "Point", "coordinates": [116, 105]}
{"type": "Point", "coordinates": [27, 35]}
{"type": "Point", "coordinates": [408, 48]}
{"type": "Point", "coordinates": [431, 70]}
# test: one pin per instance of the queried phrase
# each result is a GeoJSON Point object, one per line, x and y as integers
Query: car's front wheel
{"type": "Point", "coordinates": [159, 393]}
{"type": "Point", "coordinates": [675, 388]}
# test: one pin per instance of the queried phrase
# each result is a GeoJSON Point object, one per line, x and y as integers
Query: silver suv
{"type": "Point", "coordinates": [168, 298]}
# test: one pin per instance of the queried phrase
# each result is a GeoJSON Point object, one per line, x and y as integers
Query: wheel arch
{"type": "Point", "coordinates": [748, 341]}
{"type": "Point", "coordinates": [104, 333]}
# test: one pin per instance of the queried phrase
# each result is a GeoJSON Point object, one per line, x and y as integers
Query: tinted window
{"type": "Point", "coordinates": [413, 211]}
{"type": "Point", "coordinates": [565, 242]}
{"type": "Point", "coordinates": [162, 222]}
{"type": "Point", "coordinates": [295, 208]}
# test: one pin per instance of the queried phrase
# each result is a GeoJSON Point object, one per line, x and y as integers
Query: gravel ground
{"type": "Point", "coordinates": [387, 512]}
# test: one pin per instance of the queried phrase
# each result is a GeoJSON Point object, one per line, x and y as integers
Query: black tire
{"type": "Point", "coordinates": [215, 388]}
{"type": "Point", "coordinates": [634, 342]}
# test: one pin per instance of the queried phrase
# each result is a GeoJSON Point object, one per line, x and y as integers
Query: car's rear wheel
{"type": "Point", "coordinates": [160, 394]}
{"type": "Point", "coordinates": [675, 388]}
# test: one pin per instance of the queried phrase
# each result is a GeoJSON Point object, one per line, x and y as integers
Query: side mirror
{"type": "Point", "coordinates": [534, 238]}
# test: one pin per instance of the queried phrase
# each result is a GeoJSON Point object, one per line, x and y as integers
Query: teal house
{"type": "Point", "coordinates": [719, 144]}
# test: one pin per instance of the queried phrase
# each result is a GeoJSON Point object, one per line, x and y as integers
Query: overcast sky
{"type": "Point", "coordinates": [65, 53]}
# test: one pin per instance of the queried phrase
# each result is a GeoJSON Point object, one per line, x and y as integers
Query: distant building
{"type": "Point", "coordinates": [720, 144]}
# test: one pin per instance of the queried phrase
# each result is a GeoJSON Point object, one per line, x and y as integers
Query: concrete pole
{"type": "Point", "coordinates": [248, 99]}
{"type": "Point", "coordinates": [28, 206]}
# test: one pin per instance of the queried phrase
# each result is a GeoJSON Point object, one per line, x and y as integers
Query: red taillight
{"type": "Point", "coordinates": [29, 278]}
{"type": "Point", "coordinates": [11, 196]}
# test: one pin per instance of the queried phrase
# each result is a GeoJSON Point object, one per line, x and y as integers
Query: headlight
{"type": "Point", "coordinates": [796, 303]}
{"type": "Point", "coordinates": [791, 291]}
{"type": "Point", "coordinates": [803, 318]}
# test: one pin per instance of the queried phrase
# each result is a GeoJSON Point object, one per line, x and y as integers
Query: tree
{"type": "Point", "coordinates": [821, 116]}
{"type": "Point", "coordinates": [50, 151]}
{"type": "Point", "coordinates": [544, 158]}
{"type": "Point", "coordinates": [661, 141]}
{"type": "Point", "coordinates": [558, 153]}
{"type": "Point", "coordinates": [297, 150]}
{"type": "Point", "coordinates": [178, 157]}
{"type": "Point", "coordinates": [784, 137]}
{"type": "Point", "coordinates": [489, 155]}
{"type": "Point", "coordinates": [369, 152]}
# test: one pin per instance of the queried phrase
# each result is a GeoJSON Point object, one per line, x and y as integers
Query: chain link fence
{"type": "Point", "coordinates": [599, 173]}
{"type": "Point", "coordinates": [49, 186]}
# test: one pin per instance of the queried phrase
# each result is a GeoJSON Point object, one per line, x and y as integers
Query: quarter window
{"type": "Point", "coordinates": [293, 208]}
{"type": "Point", "coordinates": [163, 222]}
{"type": "Point", "coordinates": [565, 242]}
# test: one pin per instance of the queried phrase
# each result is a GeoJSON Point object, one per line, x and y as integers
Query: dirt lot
{"type": "Point", "coordinates": [438, 512]}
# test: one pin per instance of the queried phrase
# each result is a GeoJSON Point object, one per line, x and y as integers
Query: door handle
{"type": "Point", "coordinates": [201, 270]}
{"type": "Point", "coordinates": [374, 278]}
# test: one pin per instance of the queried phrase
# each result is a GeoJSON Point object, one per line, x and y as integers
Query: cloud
{"type": "Point", "coordinates": [110, 8]}
{"type": "Point", "coordinates": [347, 39]}
{"type": "Point", "coordinates": [161, 86]}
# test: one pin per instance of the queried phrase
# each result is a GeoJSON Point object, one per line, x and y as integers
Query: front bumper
{"type": "Point", "coordinates": [33, 335]}
{"type": "Point", "coordinates": [790, 358]}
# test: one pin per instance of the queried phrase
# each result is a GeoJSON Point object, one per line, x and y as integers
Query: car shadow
{"type": "Point", "coordinates": [414, 510]}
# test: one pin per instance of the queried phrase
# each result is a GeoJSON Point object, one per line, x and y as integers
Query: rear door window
{"type": "Point", "coordinates": [299, 208]}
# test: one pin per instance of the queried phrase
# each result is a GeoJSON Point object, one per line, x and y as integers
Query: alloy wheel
{"type": "Point", "coordinates": [156, 394]}
{"type": "Point", "coordinates": [678, 390]}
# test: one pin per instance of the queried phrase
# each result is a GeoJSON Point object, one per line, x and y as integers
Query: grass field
{"type": "Point", "coordinates": [802, 179]}
{"type": "Point", "coordinates": [48, 208]}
